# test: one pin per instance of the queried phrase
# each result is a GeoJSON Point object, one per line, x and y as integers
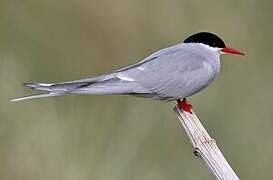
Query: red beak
{"type": "Point", "coordinates": [232, 51]}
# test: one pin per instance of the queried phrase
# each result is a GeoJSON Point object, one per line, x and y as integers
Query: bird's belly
{"type": "Point", "coordinates": [190, 87]}
{"type": "Point", "coordinates": [195, 89]}
{"type": "Point", "coordinates": [196, 84]}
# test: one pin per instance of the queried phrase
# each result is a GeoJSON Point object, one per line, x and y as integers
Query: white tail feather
{"type": "Point", "coordinates": [36, 96]}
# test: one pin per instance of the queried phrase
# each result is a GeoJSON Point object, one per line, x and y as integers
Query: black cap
{"type": "Point", "coordinates": [206, 38]}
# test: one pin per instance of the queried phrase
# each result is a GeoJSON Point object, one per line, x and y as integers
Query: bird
{"type": "Point", "coordinates": [173, 73]}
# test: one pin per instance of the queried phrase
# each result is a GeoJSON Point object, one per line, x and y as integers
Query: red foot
{"type": "Point", "coordinates": [184, 105]}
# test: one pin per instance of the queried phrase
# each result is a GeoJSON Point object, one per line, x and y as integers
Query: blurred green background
{"type": "Point", "coordinates": [121, 138]}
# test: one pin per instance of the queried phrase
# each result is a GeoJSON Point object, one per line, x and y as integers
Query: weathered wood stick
{"type": "Point", "coordinates": [205, 147]}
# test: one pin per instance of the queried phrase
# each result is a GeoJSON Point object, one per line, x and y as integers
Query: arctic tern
{"type": "Point", "coordinates": [173, 73]}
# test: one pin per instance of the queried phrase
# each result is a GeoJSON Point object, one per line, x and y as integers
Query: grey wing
{"type": "Point", "coordinates": [172, 76]}
{"type": "Point", "coordinates": [114, 76]}
{"type": "Point", "coordinates": [163, 52]}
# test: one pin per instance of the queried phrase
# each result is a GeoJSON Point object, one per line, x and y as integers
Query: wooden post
{"type": "Point", "coordinates": [205, 147]}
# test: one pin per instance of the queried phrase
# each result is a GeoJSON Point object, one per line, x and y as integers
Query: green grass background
{"type": "Point", "coordinates": [121, 138]}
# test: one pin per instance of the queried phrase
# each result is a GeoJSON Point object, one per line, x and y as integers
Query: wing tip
{"type": "Point", "coordinates": [30, 85]}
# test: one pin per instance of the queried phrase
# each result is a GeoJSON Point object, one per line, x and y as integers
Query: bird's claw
{"type": "Point", "coordinates": [184, 105]}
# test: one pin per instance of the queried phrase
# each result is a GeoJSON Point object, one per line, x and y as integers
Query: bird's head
{"type": "Point", "coordinates": [212, 41]}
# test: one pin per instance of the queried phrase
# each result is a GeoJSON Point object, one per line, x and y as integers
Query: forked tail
{"type": "Point", "coordinates": [40, 87]}
{"type": "Point", "coordinates": [35, 96]}
{"type": "Point", "coordinates": [103, 85]}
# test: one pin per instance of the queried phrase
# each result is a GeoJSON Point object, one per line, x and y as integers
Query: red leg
{"type": "Point", "coordinates": [184, 105]}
